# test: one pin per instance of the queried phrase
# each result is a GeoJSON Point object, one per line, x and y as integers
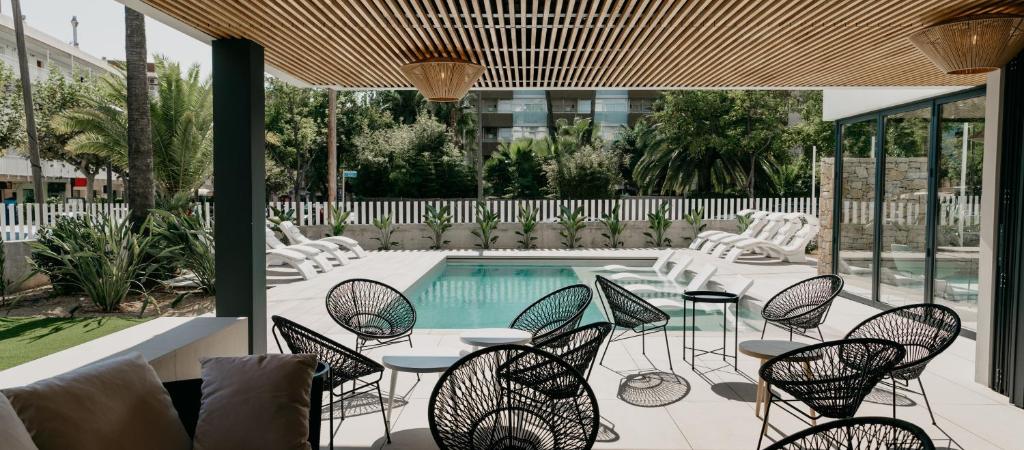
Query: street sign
{"type": "Point", "coordinates": [348, 174]}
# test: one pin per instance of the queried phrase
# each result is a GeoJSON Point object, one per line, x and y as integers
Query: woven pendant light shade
{"type": "Point", "coordinates": [443, 80]}
{"type": "Point", "coordinates": [974, 44]}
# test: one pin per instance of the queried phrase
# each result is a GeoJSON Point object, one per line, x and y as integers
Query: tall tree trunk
{"type": "Point", "coordinates": [750, 177]}
{"type": "Point", "coordinates": [30, 117]}
{"type": "Point", "coordinates": [332, 150]}
{"type": "Point", "coordinates": [479, 150]}
{"type": "Point", "coordinates": [141, 189]}
{"type": "Point", "coordinates": [90, 179]}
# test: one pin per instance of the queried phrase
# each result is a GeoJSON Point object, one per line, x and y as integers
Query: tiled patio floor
{"type": "Point", "coordinates": [702, 409]}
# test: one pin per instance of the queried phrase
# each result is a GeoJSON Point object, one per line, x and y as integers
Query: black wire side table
{"type": "Point", "coordinates": [722, 298]}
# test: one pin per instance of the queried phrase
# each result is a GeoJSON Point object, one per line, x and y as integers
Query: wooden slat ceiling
{"type": "Point", "coordinates": [359, 44]}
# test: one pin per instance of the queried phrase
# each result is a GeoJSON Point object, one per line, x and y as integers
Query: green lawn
{"type": "Point", "coordinates": [23, 339]}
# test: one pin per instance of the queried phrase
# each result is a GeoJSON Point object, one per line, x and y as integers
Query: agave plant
{"type": "Point", "coordinates": [528, 222]}
{"type": "Point", "coordinates": [658, 222]}
{"type": "Point", "coordinates": [339, 220]}
{"type": "Point", "coordinates": [105, 260]}
{"type": "Point", "coordinates": [188, 241]}
{"type": "Point", "coordinates": [385, 229]}
{"type": "Point", "coordinates": [696, 220]}
{"type": "Point", "coordinates": [439, 220]}
{"type": "Point", "coordinates": [572, 221]}
{"type": "Point", "coordinates": [487, 223]}
{"type": "Point", "coordinates": [280, 215]}
{"type": "Point", "coordinates": [743, 221]}
{"type": "Point", "coordinates": [614, 227]}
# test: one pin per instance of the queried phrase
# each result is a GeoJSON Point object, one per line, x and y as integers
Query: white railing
{"type": "Point", "coordinates": [21, 221]}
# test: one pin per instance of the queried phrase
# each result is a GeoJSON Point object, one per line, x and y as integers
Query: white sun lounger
{"type": "Point", "coordinates": [292, 258]}
{"type": "Point", "coordinates": [699, 280]}
{"type": "Point", "coordinates": [737, 284]}
{"type": "Point", "coordinates": [679, 264]}
{"type": "Point", "coordinates": [658, 267]}
{"type": "Point", "coordinates": [315, 255]}
{"type": "Point", "coordinates": [295, 236]}
{"type": "Point", "coordinates": [791, 223]}
{"type": "Point", "coordinates": [772, 223]}
{"type": "Point", "coordinates": [791, 251]}
{"type": "Point", "coordinates": [760, 218]}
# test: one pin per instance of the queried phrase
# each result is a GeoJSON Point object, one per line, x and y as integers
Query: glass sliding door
{"type": "Point", "coordinates": [961, 153]}
{"type": "Point", "coordinates": [904, 207]}
{"type": "Point", "coordinates": [857, 206]}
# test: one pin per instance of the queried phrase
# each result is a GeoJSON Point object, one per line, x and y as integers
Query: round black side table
{"type": "Point", "coordinates": [714, 297]}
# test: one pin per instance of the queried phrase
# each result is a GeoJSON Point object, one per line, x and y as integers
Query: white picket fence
{"type": "Point", "coordinates": [464, 210]}
{"type": "Point", "coordinates": [22, 221]}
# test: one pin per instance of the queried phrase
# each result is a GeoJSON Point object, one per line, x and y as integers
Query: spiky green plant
{"type": "Point", "coordinates": [439, 220]}
{"type": "Point", "coordinates": [613, 227]}
{"type": "Point", "coordinates": [339, 220]}
{"type": "Point", "coordinates": [743, 221]}
{"type": "Point", "coordinates": [487, 223]}
{"type": "Point", "coordinates": [658, 223]}
{"type": "Point", "coordinates": [572, 221]}
{"type": "Point", "coordinates": [696, 220]}
{"type": "Point", "coordinates": [528, 222]}
{"type": "Point", "coordinates": [106, 260]}
{"type": "Point", "coordinates": [385, 230]}
{"type": "Point", "coordinates": [280, 215]}
{"type": "Point", "coordinates": [190, 243]}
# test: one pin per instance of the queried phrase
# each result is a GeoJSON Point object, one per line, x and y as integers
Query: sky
{"type": "Point", "coordinates": [101, 30]}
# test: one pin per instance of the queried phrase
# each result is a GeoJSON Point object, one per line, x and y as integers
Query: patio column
{"type": "Point", "coordinates": [239, 185]}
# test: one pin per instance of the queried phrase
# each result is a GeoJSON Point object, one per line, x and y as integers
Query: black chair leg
{"type": "Point", "coordinates": [926, 402]}
{"type": "Point", "coordinates": [330, 420]}
{"type": "Point", "coordinates": [763, 329]}
{"type": "Point", "coordinates": [383, 414]}
{"type": "Point", "coordinates": [643, 341]}
{"type": "Point", "coordinates": [764, 423]}
{"type": "Point", "coordinates": [606, 345]}
{"type": "Point", "coordinates": [820, 336]}
{"type": "Point", "coordinates": [668, 349]}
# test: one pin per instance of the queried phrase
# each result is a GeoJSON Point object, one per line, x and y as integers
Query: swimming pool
{"type": "Point", "coordinates": [490, 294]}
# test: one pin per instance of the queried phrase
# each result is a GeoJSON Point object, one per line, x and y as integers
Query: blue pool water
{"type": "Point", "coordinates": [488, 295]}
{"type": "Point", "coordinates": [463, 295]}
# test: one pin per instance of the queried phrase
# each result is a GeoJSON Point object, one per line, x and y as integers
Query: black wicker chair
{"type": "Point", "coordinates": [344, 365]}
{"type": "Point", "coordinates": [555, 313]}
{"type": "Point", "coordinates": [830, 377]}
{"type": "Point", "coordinates": [860, 433]}
{"type": "Point", "coordinates": [496, 398]}
{"type": "Point", "coordinates": [924, 330]}
{"type": "Point", "coordinates": [802, 306]}
{"type": "Point", "coordinates": [578, 347]}
{"type": "Point", "coordinates": [373, 311]}
{"type": "Point", "coordinates": [629, 311]}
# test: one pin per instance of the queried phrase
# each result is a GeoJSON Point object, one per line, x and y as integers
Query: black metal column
{"type": "Point", "coordinates": [239, 185]}
{"type": "Point", "coordinates": [1007, 375]}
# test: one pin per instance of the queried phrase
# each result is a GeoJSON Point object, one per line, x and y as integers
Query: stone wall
{"type": "Point", "coordinates": [414, 236]}
{"type": "Point", "coordinates": [903, 218]}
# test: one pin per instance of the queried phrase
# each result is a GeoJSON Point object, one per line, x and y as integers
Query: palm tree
{"type": "Point", "coordinates": [181, 134]}
{"type": "Point", "coordinates": [141, 191]}
{"type": "Point", "coordinates": [515, 169]}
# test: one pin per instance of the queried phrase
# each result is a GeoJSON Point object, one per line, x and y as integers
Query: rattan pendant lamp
{"type": "Point", "coordinates": [443, 79]}
{"type": "Point", "coordinates": [972, 44]}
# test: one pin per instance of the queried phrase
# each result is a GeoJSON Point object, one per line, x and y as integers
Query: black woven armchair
{"type": "Point", "coordinates": [832, 378]}
{"type": "Point", "coordinates": [477, 404]}
{"type": "Point", "coordinates": [344, 365]}
{"type": "Point", "coordinates": [373, 311]}
{"type": "Point", "coordinates": [802, 306]}
{"type": "Point", "coordinates": [555, 313]}
{"type": "Point", "coordinates": [628, 311]}
{"type": "Point", "coordinates": [860, 433]}
{"type": "Point", "coordinates": [578, 347]}
{"type": "Point", "coordinates": [924, 330]}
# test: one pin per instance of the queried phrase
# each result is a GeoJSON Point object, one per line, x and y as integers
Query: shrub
{"type": "Point", "coordinates": [528, 222]}
{"type": "Point", "coordinates": [56, 241]}
{"type": "Point", "coordinates": [658, 222]}
{"type": "Point", "coordinates": [189, 243]}
{"type": "Point", "coordinates": [572, 222]}
{"type": "Point", "coordinates": [385, 229]}
{"type": "Point", "coordinates": [339, 220]}
{"type": "Point", "coordinates": [104, 259]}
{"type": "Point", "coordinates": [696, 220]}
{"type": "Point", "coordinates": [487, 223]}
{"type": "Point", "coordinates": [613, 227]}
{"type": "Point", "coordinates": [280, 215]}
{"type": "Point", "coordinates": [439, 220]}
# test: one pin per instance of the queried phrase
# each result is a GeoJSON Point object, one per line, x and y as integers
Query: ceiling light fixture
{"type": "Point", "coordinates": [972, 44]}
{"type": "Point", "coordinates": [443, 79]}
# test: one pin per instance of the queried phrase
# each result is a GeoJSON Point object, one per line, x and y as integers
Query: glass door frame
{"type": "Point", "coordinates": [931, 215]}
